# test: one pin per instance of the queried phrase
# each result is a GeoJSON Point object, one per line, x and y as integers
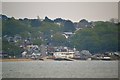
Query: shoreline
{"type": "Point", "coordinates": [22, 60]}
{"type": "Point", "coordinates": [14, 60]}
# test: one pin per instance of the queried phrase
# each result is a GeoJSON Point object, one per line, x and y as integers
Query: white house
{"type": "Point", "coordinates": [36, 55]}
{"type": "Point", "coordinates": [24, 54]}
{"type": "Point", "coordinates": [63, 55]}
{"type": "Point", "coordinates": [67, 34]}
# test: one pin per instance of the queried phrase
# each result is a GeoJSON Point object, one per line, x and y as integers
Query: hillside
{"type": "Point", "coordinates": [96, 36]}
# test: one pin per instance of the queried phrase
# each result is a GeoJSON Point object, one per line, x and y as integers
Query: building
{"type": "Point", "coordinates": [67, 34]}
{"type": "Point", "coordinates": [3, 55]}
{"type": "Point", "coordinates": [63, 55]}
{"type": "Point", "coordinates": [44, 50]}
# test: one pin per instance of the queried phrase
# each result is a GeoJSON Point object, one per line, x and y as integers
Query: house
{"type": "Point", "coordinates": [77, 55]}
{"type": "Point", "coordinates": [24, 54]}
{"type": "Point", "coordinates": [67, 34]}
{"type": "Point", "coordinates": [63, 55]}
{"type": "Point", "coordinates": [44, 50]}
{"type": "Point", "coordinates": [85, 54]}
{"type": "Point", "coordinates": [3, 55]}
{"type": "Point", "coordinates": [36, 55]}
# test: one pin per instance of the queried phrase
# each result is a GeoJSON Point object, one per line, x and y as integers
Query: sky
{"type": "Point", "coordinates": [75, 11]}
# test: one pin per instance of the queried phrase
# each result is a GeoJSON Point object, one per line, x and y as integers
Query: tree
{"type": "Point", "coordinates": [37, 42]}
{"type": "Point", "coordinates": [68, 26]}
{"type": "Point", "coordinates": [11, 49]}
{"type": "Point", "coordinates": [47, 19]}
{"type": "Point", "coordinates": [103, 37]}
{"type": "Point", "coordinates": [59, 39]}
{"type": "Point", "coordinates": [35, 23]}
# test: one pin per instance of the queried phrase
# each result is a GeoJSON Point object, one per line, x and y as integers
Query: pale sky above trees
{"type": "Point", "coordinates": [74, 11]}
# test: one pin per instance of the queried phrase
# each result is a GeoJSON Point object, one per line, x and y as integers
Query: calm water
{"type": "Point", "coordinates": [60, 69]}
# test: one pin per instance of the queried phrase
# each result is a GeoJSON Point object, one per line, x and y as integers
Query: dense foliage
{"type": "Point", "coordinates": [101, 37]}
{"type": "Point", "coordinates": [11, 49]}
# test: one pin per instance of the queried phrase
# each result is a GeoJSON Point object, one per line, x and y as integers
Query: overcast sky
{"type": "Point", "coordinates": [74, 11]}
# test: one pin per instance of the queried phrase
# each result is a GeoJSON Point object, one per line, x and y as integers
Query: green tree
{"type": "Point", "coordinates": [11, 49]}
{"type": "Point", "coordinates": [68, 26]}
{"type": "Point", "coordinates": [103, 37]}
{"type": "Point", "coordinates": [59, 39]}
{"type": "Point", "coordinates": [37, 42]}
